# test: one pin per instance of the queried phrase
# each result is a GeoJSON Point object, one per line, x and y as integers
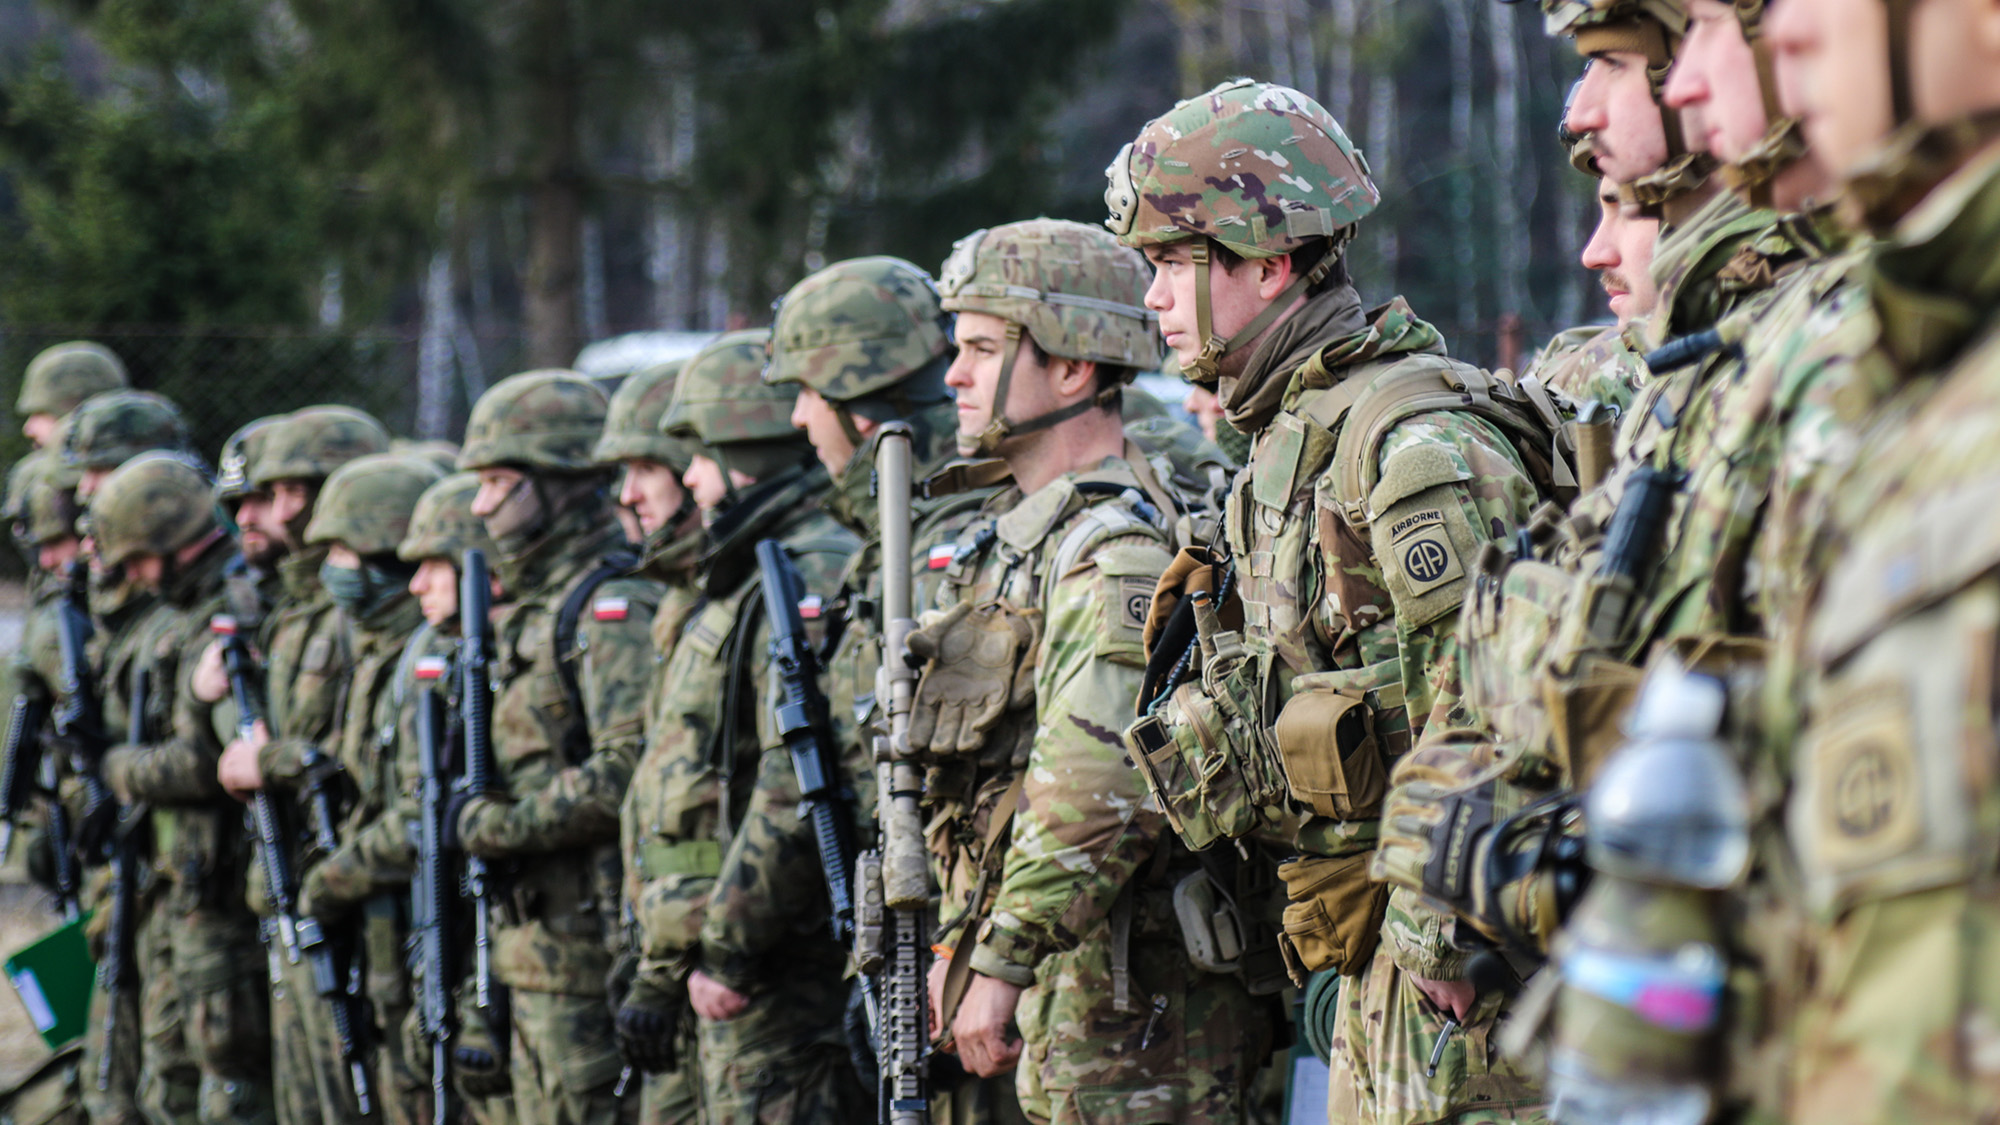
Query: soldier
{"type": "Point", "coordinates": [361, 517]}
{"type": "Point", "coordinates": [1380, 469]}
{"type": "Point", "coordinates": [112, 428]}
{"type": "Point", "coordinates": [867, 344]}
{"type": "Point", "coordinates": [306, 657]}
{"type": "Point", "coordinates": [1055, 871]}
{"type": "Point", "coordinates": [441, 530]}
{"type": "Point", "coordinates": [572, 665]}
{"type": "Point", "coordinates": [651, 465]}
{"type": "Point", "coordinates": [732, 916]}
{"type": "Point", "coordinates": [155, 517]}
{"type": "Point", "coordinates": [60, 378]}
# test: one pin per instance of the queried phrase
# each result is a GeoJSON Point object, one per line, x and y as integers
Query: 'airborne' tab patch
{"type": "Point", "coordinates": [1423, 550]}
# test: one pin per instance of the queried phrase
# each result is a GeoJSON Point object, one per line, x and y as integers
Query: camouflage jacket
{"type": "Point", "coordinates": [1081, 555]}
{"type": "Point", "coordinates": [1697, 272]}
{"type": "Point", "coordinates": [377, 753]}
{"type": "Point", "coordinates": [733, 876]}
{"type": "Point", "coordinates": [564, 773]}
{"type": "Point", "coordinates": [1880, 705]}
{"type": "Point", "coordinates": [1591, 363]}
{"type": "Point", "coordinates": [198, 841]}
{"type": "Point", "coordinates": [35, 669]}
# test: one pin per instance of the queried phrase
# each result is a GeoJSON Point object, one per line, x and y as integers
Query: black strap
{"type": "Point", "coordinates": [576, 740]}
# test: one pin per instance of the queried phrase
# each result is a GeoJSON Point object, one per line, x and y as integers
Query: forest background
{"type": "Point", "coordinates": [266, 203]}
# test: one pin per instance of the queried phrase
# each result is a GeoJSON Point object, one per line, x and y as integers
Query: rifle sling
{"type": "Point", "coordinates": [958, 974]}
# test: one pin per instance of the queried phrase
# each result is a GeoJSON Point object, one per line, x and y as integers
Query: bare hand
{"type": "Point", "coordinates": [1454, 998]}
{"type": "Point", "coordinates": [713, 1000]}
{"type": "Point", "coordinates": [210, 682]}
{"type": "Point", "coordinates": [984, 1026]}
{"type": "Point", "coordinates": [239, 770]}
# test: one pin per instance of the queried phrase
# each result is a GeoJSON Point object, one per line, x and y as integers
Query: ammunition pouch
{"type": "Point", "coordinates": [1335, 916]}
{"type": "Point", "coordinates": [1584, 707]}
{"type": "Point", "coordinates": [1208, 760]}
{"type": "Point", "coordinates": [1326, 739]}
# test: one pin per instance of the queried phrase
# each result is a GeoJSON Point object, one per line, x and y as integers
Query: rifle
{"type": "Point", "coordinates": [22, 763]}
{"type": "Point", "coordinates": [277, 862]}
{"type": "Point", "coordinates": [902, 866]}
{"type": "Point", "coordinates": [433, 889]}
{"type": "Point", "coordinates": [78, 723]}
{"type": "Point", "coordinates": [802, 720]}
{"type": "Point", "coordinates": [116, 968]}
{"type": "Point", "coordinates": [317, 946]}
{"type": "Point", "coordinates": [475, 708]}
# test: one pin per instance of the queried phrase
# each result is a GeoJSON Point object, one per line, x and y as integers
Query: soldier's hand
{"type": "Point", "coordinates": [1453, 998]}
{"type": "Point", "coordinates": [481, 1073]}
{"type": "Point", "coordinates": [713, 1000]}
{"type": "Point", "coordinates": [315, 901]}
{"type": "Point", "coordinates": [239, 770]}
{"type": "Point", "coordinates": [649, 1024]}
{"type": "Point", "coordinates": [939, 967]}
{"type": "Point", "coordinates": [210, 681]}
{"type": "Point", "coordinates": [984, 1026]}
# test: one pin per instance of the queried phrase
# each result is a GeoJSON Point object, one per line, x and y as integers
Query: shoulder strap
{"type": "Point", "coordinates": [1420, 384]}
{"type": "Point", "coordinates": [576, 743]}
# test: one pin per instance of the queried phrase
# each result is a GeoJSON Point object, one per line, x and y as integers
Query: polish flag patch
{"type": "Point", "coordinates": [610, 609]}
{"type": "Point", "coordinates": [810, 606]}
{"type": "Point", "coordinates": [430, 667]}
{"type": "Point", "coordinates": [942, 554]}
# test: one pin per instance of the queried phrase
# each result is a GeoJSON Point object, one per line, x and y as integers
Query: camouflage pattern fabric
{"type": "Point", "coordinates": [151, 505]}
{"type": "Point", "coordinates": [1592, 363]}
{"type": "Point", "coordinates": [1691, 268]}
{"type": "Point", "coordinates": [536, 420]}
{"type": "Point", "coordinates": [116, 426]}
{"type": "Point", "coordinates": [1175, 1044]}
{"type": "Point", "coordinates": [1880, 703]}
{"type": "Point", "coordinates": [1072, 288]}
{"type": "Point", "coordinates": [722, 397]}
{"type": "Point", "coordinates": [60, 378]}
{"type": "Point", "coordinates": [207, 955]}
{"type": "Point", "coordinates": [310, 444]}
{"type": "Point", "coordinates": [856, 328]}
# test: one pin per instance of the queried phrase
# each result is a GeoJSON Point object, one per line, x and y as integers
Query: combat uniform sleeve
{"type": "Point", "coordinates": [380, 854]}
{"type": "Point", "coordinates": [1084, 826]}
{"type": "Point", "coordinates": [579, 804]}
{"type": "Point", "coordinates": [1449, 484]}
{"type": "Point", "coordinates": [771, 887]}
{"type": "Point", "coordinates": [179, 770]}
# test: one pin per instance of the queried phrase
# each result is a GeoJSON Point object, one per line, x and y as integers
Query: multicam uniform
{"type": "Point", "coordinates": [200, 935]}
{"type": "Point", "coordinates": [1379, 469]}
{"type": "Point", "coordinates": [563, 756]}
{"type": "Point", "coordinates": [731, 878]}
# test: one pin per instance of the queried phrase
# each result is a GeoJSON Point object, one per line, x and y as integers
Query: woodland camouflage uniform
{"type": "Point", "coordinates": [731, 879]}
{"type": "Point", "coordinates": [670, 1095]}
{"type": "Point", "coordinates": [1057, 872]}
{"type": "Point", "coordinates": [563, 762]}
{"type": "Point", "coordinates": [852, 332]}
{"type": "Point", "coordinates": [1350, 547]}
{"type": "Point", "coordinates": [307, 653]}
{"type": "Point", "coordinates": [206, 950]}
{"type": "Point", "coordinates": [366, 506]}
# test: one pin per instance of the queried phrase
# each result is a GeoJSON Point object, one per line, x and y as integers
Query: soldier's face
{"type": "Point", "coordinates": [435, 585]}
{"type": "Point", "coordinates": [92, 479]}
{"type": "Point", "coordinates": [496, 486]}
{"type": "Point", "coordinates": [821, 424]}
{"type": "Point", "coordinates": [290, 499]}
{"type": "Point", "coordinates": [252, 517]}
{"type": "Point", "coordinates": [56, 554]}
{"type": "Point", "coordinates": [1614, 105]}
{"type": "Point", "coordinates": [1621, 251]}
{"type": "Point", "coordinates": [146, 571]}
{"type": "Point", "coordinates": [39, 428]}
{"type": "Point", "coordinates": [1714, 83]}
{"type": "Point", "coordinates": [652, 492]}
{"type": "Point", "coordinates": [704, 478]}
{"type": "Point", "coordinates": [1235, 298]}
{"type": "Point", "coordinates": [1832, 58]}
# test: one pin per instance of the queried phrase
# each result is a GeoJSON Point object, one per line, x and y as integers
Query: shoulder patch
{"type": "Point", "coordinates": [1135, 601]}
{"type": "Point", "coordinates": [811, 607]}
{"type": "Point", "coordinates": [1424, 551]}
{"type": "Point", "coordinates": [610, 609]}
{"type": "Point", "coordinates": [941, 556]}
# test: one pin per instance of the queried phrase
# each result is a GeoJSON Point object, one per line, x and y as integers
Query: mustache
{"type": "Point", "coordinates": [1613, 282]}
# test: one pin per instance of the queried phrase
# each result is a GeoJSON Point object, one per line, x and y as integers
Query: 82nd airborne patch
{"type": "Point", "coordinates": [1423, 551]}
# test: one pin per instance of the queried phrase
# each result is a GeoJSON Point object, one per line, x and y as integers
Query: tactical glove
{"type": "Point", "coordinates": [478, 1057]}
{"type": "Point", "coordinates": [982, 664]}
{"type": "Point", "coordinates": [650, 1023]}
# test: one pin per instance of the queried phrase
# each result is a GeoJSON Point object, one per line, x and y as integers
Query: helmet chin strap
{"type": "Point", "coordinates": [986, 443]}
{"type": "Point", "coordinates": [1205, 369]}
{"type": "Point", "coordinates": [1784, 141]}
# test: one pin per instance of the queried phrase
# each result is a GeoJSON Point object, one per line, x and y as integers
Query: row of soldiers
{"type": "Point", "coordinates": [1611, 741]}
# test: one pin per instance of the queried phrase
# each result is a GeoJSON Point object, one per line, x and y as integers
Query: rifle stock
{"type": "Point", "coordinates": [903, 1031]}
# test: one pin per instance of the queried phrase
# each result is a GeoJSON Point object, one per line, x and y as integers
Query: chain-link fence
{"type": "Point", "coordinates": [222, 378]}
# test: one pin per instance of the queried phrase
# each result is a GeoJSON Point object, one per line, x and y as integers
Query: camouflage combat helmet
{"type": "Point", "coordinates": [367, 503]}
{"type": "Point", "coordinates": [1071, 288]}
{"type": "Point", "coordinates": [721, 397]}
{"type": "Point", "coordinates": [443, 454]}
{"type": "Point", "coordinates": [1259, 168]}
{"type": "Point", "coordinates": [861, 328]}
{"type": "Point", "coordinates": [152, 505]}
{"type": "Point", "coordinates": [60, 378]}
{"type": "Point", "coordinates": [632, 421]}
{"type": "Point", "coordinates": [111, 428]}
{"type": "Point", "coordinates": [548, 420]}
{"type": "Point", "coordinates": [41, 498]}
{"type": "Point", "coordinates": [310, 444]}
{"type": "Point", "coordinates": [443, 526]}
{"type": "Point", "coordinates": [232, 478]}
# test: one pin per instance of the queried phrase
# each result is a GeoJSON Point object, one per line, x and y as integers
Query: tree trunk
{"type": "Point", "coordinates": [555, 185]}
{"type": "Point", "coordinates": [1381, 154]}
{"type": "Point", "coordinates": [1511, 198]}
{"type": "Point", "coordinates": [434, 346]}
{"type": "Point", "coordinates": [1459, 16]}
{"type": "Point", "coordinates": [1340, 61]}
